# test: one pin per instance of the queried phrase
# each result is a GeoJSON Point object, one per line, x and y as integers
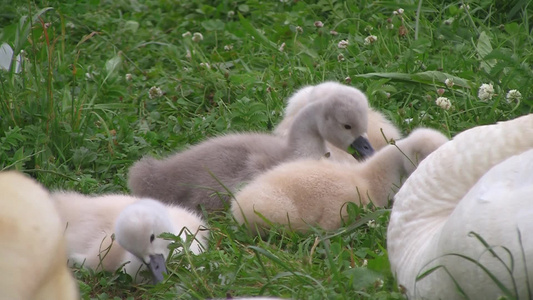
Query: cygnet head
{"type": "Point", "coordinates": [345, 116]}
{"type": "Point", "coordinates": [137, 230]}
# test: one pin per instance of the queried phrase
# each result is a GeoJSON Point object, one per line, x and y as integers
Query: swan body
{"type": "Point", "coordinates": [477, 187]}
{"type": "Point", "coordinates": [32, 247]}
{"type": "Point", "coordinates": [311, 192]}
{"type": "Point", "coordinates": [205, 173]}
{"type": "Point", "coordinates": [379, 130]}
{"type": "Point", "coordinates": [90, 223]}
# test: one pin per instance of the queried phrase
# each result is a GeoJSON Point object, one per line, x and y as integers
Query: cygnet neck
{"type": "Point", "coordinates": [304, 139]}
{"type": "Point", "coordinates": [386, 170]}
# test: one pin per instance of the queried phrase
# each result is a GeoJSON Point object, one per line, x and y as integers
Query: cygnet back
{"type": "Point", "coordinates": [32, 249]}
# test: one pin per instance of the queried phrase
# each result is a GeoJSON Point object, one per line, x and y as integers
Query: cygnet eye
{"type": "Point", "coordinates": [347, 126]}
{"type": "Point", "coordinates": [152, 238]}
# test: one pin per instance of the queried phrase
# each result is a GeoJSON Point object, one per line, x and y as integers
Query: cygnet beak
{"type": "Point", "coordinates": [157, 266]}
{"type": "Point", "coordinates": [362, 148]}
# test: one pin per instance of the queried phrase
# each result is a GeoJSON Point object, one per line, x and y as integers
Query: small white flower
{"type": "Point", "coordinates": [205, 65]}
{"type": "Point", "coordinates": [228, 47]}
{"type": "Point", "coordinates": [231, 13]}
{"type": "Point", "coordinates": [333, 32]}
{"type": "Point", "coordinates": [197, 37]}
{"type": "Point", "coordinates": [186, 34]}
{"type": "Point", "coordinates": [408, 121]}
{"type": "Point", "coordinates": [444, 103]}
{"type": "Point", "coordinates": [467, 7]}
{"type": "Point", "coordinates": [400, 11]}
{"type": "Point", "coordinates": [440, 37]}
{"type": "Point", "coordinates": [449, 82]}
{"type": "Point", "coordinates": [319, 24]}
{"type": "Point", "coordinates": [129, 77]}
{"type": "Point", "coordinates": [448, 21]}
{"type": "Point", "coordinates": [299, 29]}
{"type": "Point", "coordinates": [390, 26]}
{"type": "Point", "coordinates": [365, 263]}
{"type": "Point", "coordinates": [368, 28]}
{"type": "Point", "coordinates": [343, 44]}
{"type": "Point", "coordinates": [155, 92]}
{"type": "Point", "coordinates": [70, 25]}
{"type": "Point", "coordinates": [188, 55]}
{"type": "Point", "coordinates": [513, 96]}
{"type": "Point", "coordinates": [486, 92]}
{"type": "Point", "coordinates": [282, 47]}
{"type": "Point", "coordinates": [348, 79]}
{"type": "Point", "coordinates": [395, 12]}
{"type": "Point", "coordinates": [340, 57]}
{"type": "Point", "coordinates": [379, 283]}
{"type": "Point", "coordinates": [370, 39]}
{"type": "Point", "coordinates": [371, 224]}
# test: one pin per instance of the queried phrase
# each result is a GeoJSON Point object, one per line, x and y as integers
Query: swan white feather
{"type": "Point", "coordinates": [480, 182]}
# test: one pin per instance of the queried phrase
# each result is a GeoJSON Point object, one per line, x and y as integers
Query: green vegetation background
{"type": "Point", "coordinates": [74, 119]}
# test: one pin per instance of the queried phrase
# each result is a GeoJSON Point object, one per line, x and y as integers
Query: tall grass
{"type": "Point", "coordinates": [79, 112]}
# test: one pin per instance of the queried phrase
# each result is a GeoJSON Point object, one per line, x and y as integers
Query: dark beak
{"type": "Point", "coordinates": [157, 266]}
{"type": "Point", "coordinates": [362, 148]}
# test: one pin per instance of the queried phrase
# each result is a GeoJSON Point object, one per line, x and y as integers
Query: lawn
{"type": "Point", "coordinates": [102, 83]}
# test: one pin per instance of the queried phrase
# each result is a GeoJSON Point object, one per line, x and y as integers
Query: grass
{"type": "Point", "coordinates": [74, 119]}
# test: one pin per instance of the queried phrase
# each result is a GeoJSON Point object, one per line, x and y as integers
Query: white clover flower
{"type": "Point", "coordinates": [400, 11]}
{"type": "Point", "coordinates": [370, 39]}
{"type": "Point", "coordinates": [155, 92]}
{"type": "Point", "coordinates": [348, 79]}
{"type": "Point", "coordinates": [368, 28]}
{"type": "Point", "coordinates": [188, 55]}
{"type": "Point", "coordinates": [440, 37]}
{"type": "Point", "coordinates": [390, 26]}
{"type": "Point", "coordinates": [197, 37]}
{"type": "Point", "coordinates": [282, 47]}
{"type": "Point", "coordinates": [343, 44]}
{"type": "Point", "coordinates": [486, 92]}
{"type": "Point", "coordinates": [449, 82]}
{"type": "Point", "coordinates": [513, 96]}
{"type": "Point", "coordinates": [444, 103]}
{"type": "Point", "coordinates": [371, 224]}
{"type": "Point", "coordinates": [70, 25]}
{"type": "Point", "coordinates": [319, 24]}
{"type": "Point", "coordinates": [299, 29]}
{"type": "Point", "coordinates": [448, 21]}
{"type": "Point", "coordinates": [333, 32]}
{"type": "Point", "coordinates": [379, 283]}
{"type": "Point", "coordinates": [408, 121]}
{"type": "Point", "coordinates": [231, 13]}
{"type": "Point", "coordinates": [205, 65]}
{"type": "Point", "coordinates": [340, 57]}
{"type": "Point", "coordinates": [129, 77]}
{"type": "Point", "coordinates": [395, 12]}
{"type": "Point", "coordinates": [228, 47]}
{"type": "Point", "coordinates": [186, 34]}
{"type": "Point", "coordinates": [467, 7]}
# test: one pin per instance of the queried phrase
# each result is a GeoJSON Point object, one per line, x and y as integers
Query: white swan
{"type": "Point", "coordinates": [305, 192]}
{"type": "Point", "coordinates": [379, 130]}
{"type": "Point", "coordinates": [444, 200]}
{"type": "Point", "coordinates": [136, 224]}
{"type": "Point", "coordinates": [32, 253]}
{"type": "Point", "coordinates": [202, 174]}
